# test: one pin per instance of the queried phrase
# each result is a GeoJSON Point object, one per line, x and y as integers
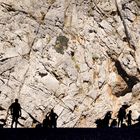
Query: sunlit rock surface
{"type": "Point", "coordinates": [80, 57]}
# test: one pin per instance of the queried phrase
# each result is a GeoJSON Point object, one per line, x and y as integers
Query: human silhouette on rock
{"type": "Point", "coordinates": [104, 123]}
{"type": "Point", "coordinates": [39, 125]}
{"type": "Point", "coordinates": [53, 119]}
{"type": "Point", "coordinates": [46, 122]}
{"type": "Point", "coordinates": [113, 123]}
{"type": "Point", "coordinates": [129, 118]}
{"type": "Point", "coordinates": [107, 119]}
{"type": "Point", "coordinates": [99, 123]}
{"type": "Point", "coordinates": [15, 109]}
{"type": "Point", "coordinates": [121, 115]}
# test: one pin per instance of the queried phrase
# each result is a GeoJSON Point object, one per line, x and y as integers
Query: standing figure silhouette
{"type": "Point", "coordinates": [15, 109]}
{"type": "Point", "coordinates": [46, 122]}
{"type": "Point", "coordinates": [121, 115]}
{"type": "Point", "coordinates": [107, 119]}
{"type": "Point", "coordinates": [113, 123]}
{"type": "Point", "coordinates": [129, 118]}
{"type": "Point", "coordinates": [53, 119]}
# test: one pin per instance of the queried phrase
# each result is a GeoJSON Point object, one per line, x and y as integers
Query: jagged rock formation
{"type": "Point", "coordinates": [80, 57]}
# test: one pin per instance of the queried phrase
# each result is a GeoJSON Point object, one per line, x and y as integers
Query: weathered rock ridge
{"type": "Point", "coordinates": [80, 57]}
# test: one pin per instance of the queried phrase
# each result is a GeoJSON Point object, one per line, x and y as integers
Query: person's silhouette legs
{"type": "Point", "coordinates": [54, 124]}
{"type": "Point", "coordinates": [12, 123]}
{"type": "Point", "coordinates": [14, 120]}
{"type": "Point", "coordinates": [129, 118]}
{"type": "Point", "coordinates": [120, 122]}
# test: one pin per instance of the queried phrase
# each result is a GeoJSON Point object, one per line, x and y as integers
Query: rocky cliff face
{"type": "Point", "coordinates": [80, 57]}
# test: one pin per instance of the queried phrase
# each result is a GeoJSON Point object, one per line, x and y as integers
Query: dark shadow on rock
{"type": "Point", "coordinates": [113, 123]}
{"type": "Point", "coordinates": [53, 119]}
{"type": "Point", "coordinates": [46, 121]}
{"type": "Point", "coordinates": [104, 123]}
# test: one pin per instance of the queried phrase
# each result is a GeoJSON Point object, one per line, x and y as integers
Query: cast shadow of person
{"type": "Point", "coordinates": [104, 123]}
{"type": "Point", "coordinates": [113, 123]}
{"type": "Point", "coordinates": [107, 119]}
{"type": "Point", "coordinates": [99, 123]}
{"type": "Point", "coordinates": [46, 121]}
{"type": "Point", "coordinates": [50, 120]}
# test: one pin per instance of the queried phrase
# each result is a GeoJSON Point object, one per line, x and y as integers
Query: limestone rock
{"type": "Point", "coordinates": [79, 57]}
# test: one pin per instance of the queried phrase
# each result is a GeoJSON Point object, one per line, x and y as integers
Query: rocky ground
{"type": "Point", "coordinates": [80, 57]}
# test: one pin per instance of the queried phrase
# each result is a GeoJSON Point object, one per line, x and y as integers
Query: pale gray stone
{"type": "Point", "coordinates": [79, 78]}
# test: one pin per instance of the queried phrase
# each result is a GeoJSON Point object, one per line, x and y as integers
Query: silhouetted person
{"type": "Point", "coordinates": [121, 115]}
{"type": "Point", "coordinates": [99, 123]}
{"type": "Point", "coordinates": [53, 119]}
{"type": "Point", "coordinates": [46, 122]}
{"type": "Point", "coordinates": [113, 123]}
{"type": "Point", "coordinates": [39, 125]}
{"type": "Point", "coordinates": [107, 119]}
{"type": "Point", "coordinates": [129, 118]}
{"type": "Point", "coordinates": [15, 109]}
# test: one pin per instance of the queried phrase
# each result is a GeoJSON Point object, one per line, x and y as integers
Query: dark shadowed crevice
{"type": "Point", "coordinates": [3, 60]}
{"type": "Point", "coordinates": [42, 74]}
{"type": "Point", "coordinates": [130, 80]}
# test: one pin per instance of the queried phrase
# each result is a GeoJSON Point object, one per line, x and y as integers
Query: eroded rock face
{"type": "Point", "coordinates": [81, 58]}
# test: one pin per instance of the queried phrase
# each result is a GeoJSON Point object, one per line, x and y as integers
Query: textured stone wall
{"type": "Point", "coordinates": [80, 57]}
